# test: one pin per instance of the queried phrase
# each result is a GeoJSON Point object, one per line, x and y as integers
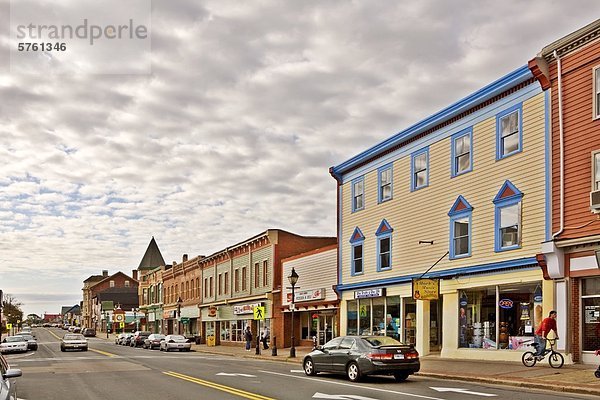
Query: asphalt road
{"type": "Point", "coordinates": [108, 371]}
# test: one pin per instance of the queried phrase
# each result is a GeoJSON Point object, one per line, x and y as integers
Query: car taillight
{"type": "Point", "coordinates": [380, 356]}
{"type": "Point", "coordinates": [412, 354]}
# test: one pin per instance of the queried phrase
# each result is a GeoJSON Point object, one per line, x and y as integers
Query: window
{"type": "Point", "coordinates": [508, 132]}
{"type": "Point", "coordinates": [420, 169]}
{"type": "Point", "coordinates": [205, 287]}
{"type": "Point", "coordinates": [187, 290]}
{"type": "Point", "coordinates": [508, 218]}
{"type": "Point", "coordinates": [385, 183]}
{"type": "Point", "coordinates": [244, 279]}
{"type": "Point", "coordinates": [462, 157]}
{"type": "Point", "coordinates": [220, 284]}
{"type": "Point", "coordinates": [192, 288]}
{"type": "Point", "coordinates": [226, 282]}
{"type": "Point", "coordinates": [358, 194]}
{"type": "Point", "coordinates": [356, 261]}
{"type": "Point", "coordinates": [210, 285]}
{"type": "Point", "coordinates": [265, 273]}
{"type": "Point", "coordinates": [596, 171]}
{"type": "Point", "coordinates": [384, 246]}
{"type": "Point", "coordinates": [111, 283]}
{"type": "Point", "coordinates": [126, 283]}
{"type": "Point", "coordinates": [256, 275]}
{"type": "Point", "coordinates": [460, 228]}
{"type": "Point", "coordinates": [236, 279]}
{"type": "Point", "coordinates": [597, 92]}
{"type": "Point", "coordinates": [198, 287]}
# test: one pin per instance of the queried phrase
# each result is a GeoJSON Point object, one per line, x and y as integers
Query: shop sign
{"type": "Point", "coordinates": [245, 309]}
{"type": "Point", "coordinates": [464, 301]}
{"type": "Point", "coordinates": [212, 311]}
{"type": "Point", "coordinates": [506, 304]}
{"type": "Point", "coordinates": [308, 295]}
{"type": "Point", "coordinates": [426, 289]}
{"type": "Point", "coordinates": [538, 298]}
{"type": "Point", "coordinates": [368, 293]}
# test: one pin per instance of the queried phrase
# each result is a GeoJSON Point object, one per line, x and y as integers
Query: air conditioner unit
{"type": "Point", "coordinates": [595, 201]}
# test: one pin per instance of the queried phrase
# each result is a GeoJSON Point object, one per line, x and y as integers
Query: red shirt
{"type": "Point", "coordinates": [547, 325]}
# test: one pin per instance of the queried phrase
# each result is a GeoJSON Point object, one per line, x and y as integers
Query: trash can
{"type": "Point", "coordinates": [210, 340]}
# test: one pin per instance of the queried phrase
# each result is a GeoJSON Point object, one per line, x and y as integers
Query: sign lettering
{"type": "Point", "coordinates": [245, 309]}
{"type": "Point", "coordinates": [367, 293]}
{"type": "Point", "coordinates": [426, 289]}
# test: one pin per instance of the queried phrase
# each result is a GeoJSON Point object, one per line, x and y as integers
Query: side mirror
{"type": "Point", "coordinates": [12, 373]}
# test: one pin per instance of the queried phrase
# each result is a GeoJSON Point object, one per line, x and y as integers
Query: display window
{"type": "Point", "coordinates": [499, 317]}
{"type": "Point", "coordinates": [232, 331]}
{"type": "Point", "coordinates": [590, 299]}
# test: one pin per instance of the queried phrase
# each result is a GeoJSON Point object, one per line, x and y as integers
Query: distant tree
{"type": "Point", "coordinates": [11, 308]}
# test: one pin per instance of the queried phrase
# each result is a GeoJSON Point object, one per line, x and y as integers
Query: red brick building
{"type": "Point", "coordinates": [569, 71]}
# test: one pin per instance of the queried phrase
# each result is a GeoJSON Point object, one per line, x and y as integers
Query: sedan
{"type": "Point", "coordinates": [8, 388]}
{"type": "Point", "coordinates": [74, 341]}
{"type": "Point", "coordinates": [153, 341]}
{"type": "Point", "coordinates": [13, 344]}
{"type": "Point", "coordinates": [358, 356]}
{"type": "Point", "coordinates": [31, 342]}
{"type": "Point", "coordinates": [175, 342]}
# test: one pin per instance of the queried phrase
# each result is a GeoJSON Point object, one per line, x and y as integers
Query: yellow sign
{"type": "Point", "coordinates": [426, 289]}
{"type": "Point", "coordinates": [259, 313]}
{"type": "Point", "coordinates": [121, 324]}
{"type": "Point", "coordinates": [8, 326]}
{"type": "Point", "coordinates": [363, 311]}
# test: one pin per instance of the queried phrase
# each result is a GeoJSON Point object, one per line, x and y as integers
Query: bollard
{"type": "Point", "coordinates": [274, 347]}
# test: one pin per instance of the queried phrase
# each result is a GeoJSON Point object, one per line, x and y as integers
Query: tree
{"type": "Point", "coordinates": [11, 308]}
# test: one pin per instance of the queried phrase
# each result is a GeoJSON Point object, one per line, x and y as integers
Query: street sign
{"type": "Point", "coordinates": [184, 320]}
{"type": "Point", "coordinates": [8, 326]}
{"type": "Point", "coordinates": [259, 313]}
{"type": "Point", "coordinates": [121, 324]}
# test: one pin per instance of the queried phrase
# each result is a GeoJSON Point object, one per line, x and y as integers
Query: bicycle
{"type": "Point", "coordinates": [555, 359]}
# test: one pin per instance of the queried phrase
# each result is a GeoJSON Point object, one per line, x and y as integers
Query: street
{"type": "Point", "coordinates": [111, 371]}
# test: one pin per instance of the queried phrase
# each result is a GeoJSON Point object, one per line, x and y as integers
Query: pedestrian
{"type": "Point", "coordinates": [264, 338]}
{"type": "Point", "coordinates": [248, 337]}
{"type": "Point", "coordinates": [541, 335]}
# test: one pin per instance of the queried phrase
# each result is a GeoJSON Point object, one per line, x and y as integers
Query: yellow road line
{"type": "Point", "coordinates": [53, 334]}
{"type": "Point", "coordinates": [213, 385]}
{"type": "Point", "coordinates": [103, 353]}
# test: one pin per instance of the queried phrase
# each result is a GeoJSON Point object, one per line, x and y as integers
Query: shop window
{"type": "Point", "coordinates": [352, 318]}
{"type": "Point", "coordinates": [410, 321]}
{"type": "Point", "coordinates": [477, 318]}
{"type": "Point", "coordinates": [591, 314]}
{"type": "Point", "coordinates": [392, 318]}
{"type": "Point", "coordinates": [364, 313]}
{"type": "Point", "coordinates": [378, 316]}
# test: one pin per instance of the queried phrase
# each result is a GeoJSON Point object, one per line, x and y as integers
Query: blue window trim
{"type": "Point", "coordinates": [516, 107]}
{"type": "Point", "coordinates": [354, 181]}
{"type": "Point", "coordinates": [458, 135]}
{"type": "Point", "coordinates": [412, 169]}
{"type": "Point", "coordinates": [357, 239]}
{"type": "Point", "coordinates": [383, 232]}
{"type": "Point", "coordinates": [501, 203]}
{"type": "Point", "coordinates": [379, 191]}
{"type": "Point", "coordinates": [454, 215]}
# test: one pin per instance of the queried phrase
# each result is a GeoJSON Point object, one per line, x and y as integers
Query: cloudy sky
{"type": "Point", "coordinates": [232, 132]}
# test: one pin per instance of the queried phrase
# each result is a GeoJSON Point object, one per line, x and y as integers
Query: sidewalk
{"type": "Point", "coordinates": [570, 378]}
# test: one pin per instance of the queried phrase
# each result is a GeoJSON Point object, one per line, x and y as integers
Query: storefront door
{"type": "Point", "coordinates": [325, 329]}
{"type": "Point", "coordinates": [435, 325]}
{"type": "Point", "coordinates": [590, 327]}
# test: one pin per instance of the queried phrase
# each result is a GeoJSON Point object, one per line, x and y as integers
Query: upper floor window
{"type": "Point", "coordinates": [596, 170]}
{"type": "Point", "coordinates": [265, 273]}
{"type": "Point", "coordinates": [198, 287]}
{"type": "Point", "coordinates": [236, 280]}
{"type": "Point", "coordinates": [111, 283]}
{"type": "Point", "coordinates": [597, 92]}
{"type": "Point", "coordinates": [244, 278]}
{"type": "Point", "coordinates": [205, 287]}
{"type": "Point", "coordinates": [210, 285]}
{"type": "Point", "coordinates": [226, 278]}
{"type": "Point", "coordinates": [509, 127]}
{"type": "Point", "coordinates": [385, 183]}
{"type": "Point", "coordinates": [126, 283]}
{"type": "Point", "coordinates": [358, 194]}
{"type": "Point", "coordinates": [508, 218]}
{"type": "Point", "coordinates": [384, 246]}
{"type": "Point", "coordinates": [460, 228]}
{"type": "Point", "coordinates": [462, 156]}
{"type": "Point", "coordinates": [357, 241]}
{"type": "Point", "coordinates": [256, 275]}
{"type": "Point", "coordinates": [419, 169]}
{"type": "Point", "coordinates": [220, 290]}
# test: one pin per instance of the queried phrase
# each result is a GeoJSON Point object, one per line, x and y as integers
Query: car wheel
{"type": "Point", "coordinates": [309, 367]}
{"type": "Point", "coordinates": [353, 372]}
{"type": "Point", "coordinates": [62, 348]}
{"type": "Point", "coordinates": [85, 349]}
{"type": "Point", "coordinates": [400, 376]}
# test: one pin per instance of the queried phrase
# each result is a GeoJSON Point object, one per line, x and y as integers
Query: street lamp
{"type": "Point", "coordinates": [179, 301]}
{"type": "Point", "coordinates": [135, 310]}
{"type": "Point", "coordinates": [293, 278]}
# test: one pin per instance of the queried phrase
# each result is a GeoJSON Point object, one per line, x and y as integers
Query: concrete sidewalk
{"type": "Point", "coordinates": [570, 378]}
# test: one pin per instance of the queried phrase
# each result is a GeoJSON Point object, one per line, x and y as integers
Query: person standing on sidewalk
{"type": "Point", "coordinates": [265, 338]}
{"type": "Point", "coordinates": [541, 335]}
{"type": "Point", "coordinates": [248, 337]}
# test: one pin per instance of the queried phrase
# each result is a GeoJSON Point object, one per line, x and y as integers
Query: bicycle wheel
{"type": "Point", "coordinates": [556, 360]}
{"type": "Point", "coordinates": [528, 359]}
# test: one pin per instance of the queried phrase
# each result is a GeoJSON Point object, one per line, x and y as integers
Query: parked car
{"type": "Point", "coordinates": [8, 390]}
{"type": "Point", "coordinates": [175, 342]}
{"type": "Point", "coordinates": [153, 341]}
{"type": "Point", "coordinates": [73, 341]}
{"type": "Point", "coordinates": [13, 344]}
{"type": "Point", "coordinates": [31, 342]}
{"type": "Point", "coordinates": [126, 339]}
{"type": "Point", "coordinates": [138, 338]}
{"type": "Point", "coordinates": [119, 337]}
{"type": "Point", "coordinates": [88, 332]}
{"type": "Point", "coordinates": [76, 329]}
{"type": "Point", "coordinates": [357, 356]}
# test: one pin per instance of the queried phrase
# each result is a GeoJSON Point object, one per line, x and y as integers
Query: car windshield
{"type": "Point", "coordinates": [73, 337]}
{"type": "Point", "coordinates": [15, 339]}
{"type": "Point", "coordinates": [177, 337]}
{"type": "Point", "coordinates": [157, 336]}
{"type": "Point", "coordinates": [27, 337]}
{"type": "Point", "coordinates": [382, 341]}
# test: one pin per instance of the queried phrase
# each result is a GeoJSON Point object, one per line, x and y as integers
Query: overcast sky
{"type": "Point", "coordinates": [247, 106]}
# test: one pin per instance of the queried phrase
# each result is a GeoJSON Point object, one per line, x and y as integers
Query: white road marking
{"type": "Point", "coordinates": [234, 374]}
{"type": "Point", "coordinates": [462, 391]}
{"type": "Point", "coordinates": [297, 371]}
{"type": "Point", "coordinates": [352, 385]}
{"type": "Point", "coordinates": [340, 397]}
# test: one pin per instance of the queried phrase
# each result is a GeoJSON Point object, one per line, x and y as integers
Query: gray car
{"type": "Point", "coordinates": [175, 342]}
{"type": "Point", "coordinates": [73, 341]}
{"type": "Point", "coordinates": [8, 390]}
{"type": "Point", "coordinates": [357, 356]}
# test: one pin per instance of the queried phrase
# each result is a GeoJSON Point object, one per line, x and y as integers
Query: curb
{"type": "Point", "coordinates": [520, 383]}
{"type": "Point", "coordinates": [296, 360]}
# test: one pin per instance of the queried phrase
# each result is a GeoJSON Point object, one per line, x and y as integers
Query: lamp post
{"type": "Point", "coordinates": [179, 301]}
{"type": "Point", "coordinates": [135, 310]}
{"type": "Point", "coordinates": [293, 278]}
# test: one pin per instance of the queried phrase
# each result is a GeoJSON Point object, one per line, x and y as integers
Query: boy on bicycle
{"type": "Point", "coordinates": [541, 335]}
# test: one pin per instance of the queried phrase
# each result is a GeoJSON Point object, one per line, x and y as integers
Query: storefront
{"type": "Point", "coordinates": [590, 324]}
{"type": "Point", "coordinates": [154, 320]}
{"type": "Point", "coordinates": [227, 322]}
{"type": "Point", "coordinates": [189, 321]}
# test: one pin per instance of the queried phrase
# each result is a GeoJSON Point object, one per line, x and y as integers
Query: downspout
{"type": "Point", "coordinates": [562, 148]}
